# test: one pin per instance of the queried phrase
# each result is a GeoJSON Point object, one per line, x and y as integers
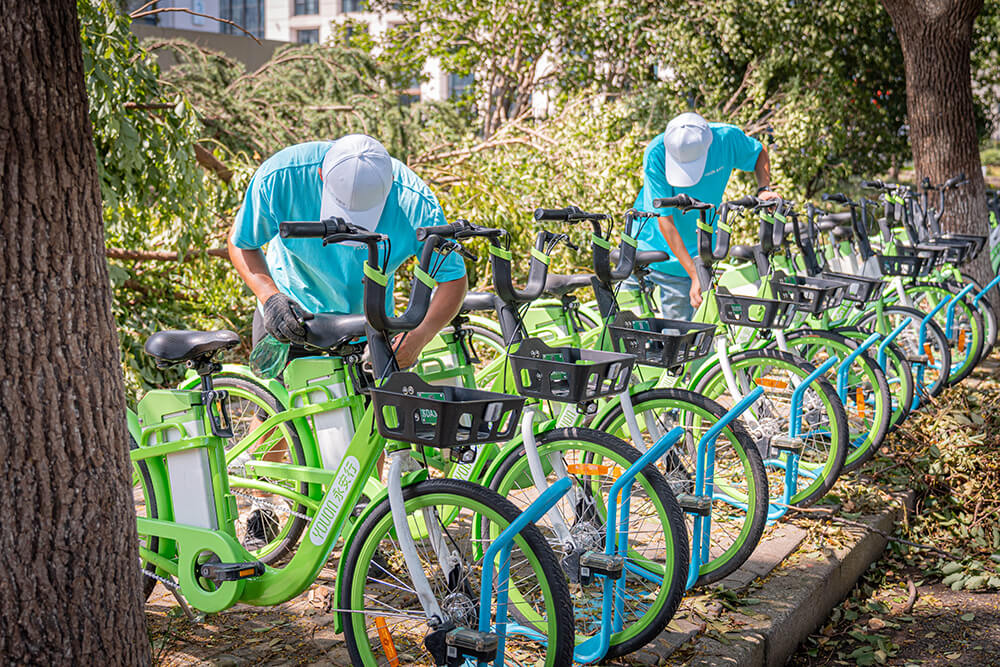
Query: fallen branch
{"type": "Point", "coordinates": [212, 163]}
{"type": "Point", "coordinates": [161, 255]}
{"type": "Point", "coordinates": [911, 600]}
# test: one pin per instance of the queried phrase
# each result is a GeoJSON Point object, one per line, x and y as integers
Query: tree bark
{"type": "Point", "coordinates": [69, 576]}
{"type": "Point", "coordinates": [936, 38]}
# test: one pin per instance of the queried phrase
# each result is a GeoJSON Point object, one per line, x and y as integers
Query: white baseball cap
{"type": "Point", "coordinates": [357, 178]}
{"type": "Point", "coordinates": [686, 141]}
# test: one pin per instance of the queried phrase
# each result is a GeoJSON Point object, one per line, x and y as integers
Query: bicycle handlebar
{"type": "Point", "coordinates": [331, 230]}
{"type": "Point", "coordinates": [873, 185]}
{"type": "Point", "coordinates": [460, 229]}
{"type": "Point", "coordinates": [683, 202]}
{"type": "Point", "coordinates": [838, 198]}
{"type": "Point", "coordinates": [568, 214]}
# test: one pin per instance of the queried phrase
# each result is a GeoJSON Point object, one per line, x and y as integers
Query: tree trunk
{"type": "Point", "coordinates": [936, 38]}
{"type": "Point", "coordinates": [69, 575]}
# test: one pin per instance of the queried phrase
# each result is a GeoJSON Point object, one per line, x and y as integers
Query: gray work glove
{"type": "Point", "coordinates": [283, 319]}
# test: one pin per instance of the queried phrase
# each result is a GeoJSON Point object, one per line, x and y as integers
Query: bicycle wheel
{"type": "Point", "coordinates": [968, 333]}
{"type": "Point", "coordinates": [144, 501]}
{"type": "Point", "coordinates": [823, 424]}
{"type": "Point", "coordinates": [898, 376]}
{"type": "Point", "coordinates": [866, 398]}
{"type": "Point", "coordinates": [269, 524]}
{"type": "Point", "coordinates": [739, 496]}
{"type": "Point", "coordinates": [657, 560]}
{"type": "Point", "coordinates": [928, 362]}
{"type": "Point", "coordinates": [384, 622]}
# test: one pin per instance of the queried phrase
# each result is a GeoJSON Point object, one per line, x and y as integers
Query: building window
{"type": "Point", "coordinates": [459, 85]}
{"type": "Point", "coordinates": [307, 36]}
{"type": "Point", "coordinates": [306, 7]}
{"type": "Point", "coordinates": [248, 14]}
{"type": "Point", "coordinates": [348, 6]}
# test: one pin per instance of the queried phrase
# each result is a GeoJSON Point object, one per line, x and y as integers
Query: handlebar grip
{"type": "Point", "coordinates": [745, 202]}
{"type": "Point", "coordinates": [304, 230]}
{"type": "Point", "coordinates": [443, 231]}
{"type": "Point", "coordinates": [555, 213]}
{"type": "Point", "coordinates": [679, 201]}
{"type": "Point", "coordinates": [873, 185]}
{"type": "Point", "coordinates": [954, 181]}
{"type": "Point", "coordinates": [838, 198]}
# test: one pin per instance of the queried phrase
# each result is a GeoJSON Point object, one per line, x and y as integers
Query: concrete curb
{"type": "Point", "coordinates": [798, 597]}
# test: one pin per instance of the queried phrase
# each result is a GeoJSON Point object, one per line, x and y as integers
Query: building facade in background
{"type": "Point", "coordinates": [302, 21]}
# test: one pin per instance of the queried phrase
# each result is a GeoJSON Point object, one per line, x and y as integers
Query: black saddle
{"type": "Point", "coordinates": [478, 301]}
{"type": "Point", "coordinates": [560, 286]}
{"type": "Point", "coordinates": [175, 346]}
{"type": "Point", "coordinates": [328, 331]}
{"type": "Point", "coordinates": [744, 252]}
{"type": "Point", "coordinates": [643, 258]}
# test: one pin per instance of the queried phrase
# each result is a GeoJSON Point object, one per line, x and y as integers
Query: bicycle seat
{"type": "Point", "coordinates": [560, 286]}
{"type": "Point", "coordinates": [177, 345]}
{"type": "Point", "coordinates": [328, 331]}
{"type": "Point", "coordinates": [643, 258]}
{"type": "Point", "coordinates": [475, 301]}
{"type": "Point", "coordinates": [744, 252]}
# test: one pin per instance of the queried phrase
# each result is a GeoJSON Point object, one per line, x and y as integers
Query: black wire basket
{"type": "Point", "coordinates": [754, 312]}
{"type": "Point", "coordinates": [860, 289]}
{"type": "Point", "coordinates": [408, 409]}
{"type": "Point", "coordinates": [660, 342]}
{"type": "Point", "coordinates": [905, 263]}
{"type": "Point", "coordinates": [934, 256]}
{"type": "Point", "coordinates": [810, 295]}
{"type": "Point", "coordinates": [569, 374]}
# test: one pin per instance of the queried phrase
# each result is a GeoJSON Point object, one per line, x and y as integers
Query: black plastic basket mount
{"type": "Point", "coordinates": [859, 289]}
{"type": "Point", "coordinates": [569, 374]}
{"type": "Point", "coordinates": [660, 342]}
{"type": "Point", "coordinates": [811, 295]}
{"type": "Point", "coordinates": [411, 410]}
{"type": "Point", "coordinates": [752, 311]}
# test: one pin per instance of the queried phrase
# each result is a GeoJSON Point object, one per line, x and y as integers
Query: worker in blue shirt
{"type": "Point", "coordinates": [353, 178]}
{"type": "Point", "coordinates": [696, 158]}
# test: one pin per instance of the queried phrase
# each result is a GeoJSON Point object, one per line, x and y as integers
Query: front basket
{"type": "Point", "coordinates": [569, 374]}
{"type": "Point", "coordinates": [811, 295]}
{"type": "Point", "coordinates": [860, 289]}
{"type": "Point", "coordinates": [410, 410]}
{"type": "Point", "coordinates": [754, 312]}
{"type": "Point", "coordinates": [660, 342]}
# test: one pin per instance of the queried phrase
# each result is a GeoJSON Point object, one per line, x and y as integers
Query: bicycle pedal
{"type": "Point", "coordinates": [786, 443]}
{"type": "Point", "coordinates": [230, 571]}
{"type": "Point", "coordinates": [463, 642]}
{"type": "Point", "coordinates": [593, 563]}
{"type": "Point", "coordinates": [692, 504]}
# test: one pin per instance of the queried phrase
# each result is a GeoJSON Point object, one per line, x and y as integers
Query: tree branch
{"type": "Point", "coordinates": [141, 14]}
{"type": "Point", "coordinates": [161, 255]}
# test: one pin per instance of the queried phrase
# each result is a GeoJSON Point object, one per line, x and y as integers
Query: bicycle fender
{"type": "Point", "coordinates": [191, 381]}
{"type": "Point", "coordinates": [484, 322]}
{"type": "Point", "coordinates": [409, 479]}
{"type": "Point", "coordinates": [132, 421]}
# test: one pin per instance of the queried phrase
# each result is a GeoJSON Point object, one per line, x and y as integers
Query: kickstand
{"type": "Point", "coordinates": [183, 603]}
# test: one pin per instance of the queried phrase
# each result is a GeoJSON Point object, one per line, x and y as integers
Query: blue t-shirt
{"type": "Point", "coordinates": [730, 149]}
{"type": "Point", "coordinates": [288, 188]}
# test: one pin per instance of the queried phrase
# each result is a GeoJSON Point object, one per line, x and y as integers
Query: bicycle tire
{"type": "Point", "coordinates": [751, 527]}
{"type": "Point", "coordinates": [150, 506]}
{"type": "Point", "coordinates": [668, 532]}
{"type": "Point", "coordinates": [907, 342]}
{"type": "Point", "coordinates": [288, 529]}
{"type": "Point", "coordinates": [963, 359]}
{"type": "Point", "coordinates": [864, 436]}
{"type": "Point", "coordinates": [362, 555]}
{"type": "Point", "coordinates": [823, 464]}
{"type": "Point", "coordinates": [898, 376]}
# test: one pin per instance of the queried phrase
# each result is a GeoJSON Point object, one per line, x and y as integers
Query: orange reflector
{"type": "Point", "coordinates": [961, 340]}
{"type": "Point", "coordinates": [246, 573]}
{"type": "Point", "coordinates": [859, 399]}
{"type": "Point", "coordinates": [929, 352]}
{"type": "Point", "coordinates": [771, 383]}
{"type": "Point", "coordinates": [587, 469]}
{"type": "Point", "coordinates": [617, 472]}
{"type": "Point", "coordinates": [386, 639]}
